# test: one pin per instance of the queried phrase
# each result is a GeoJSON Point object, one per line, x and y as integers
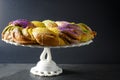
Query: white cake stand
{"type": "Point", "coordinates": [46, 66]}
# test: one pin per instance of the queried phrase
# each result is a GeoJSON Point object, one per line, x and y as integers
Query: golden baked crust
{"type": "Point", "coordinates": [46, 37]}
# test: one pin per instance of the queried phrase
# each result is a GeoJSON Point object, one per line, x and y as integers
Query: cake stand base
{"type": "Point", "coordinates": [46, 66]}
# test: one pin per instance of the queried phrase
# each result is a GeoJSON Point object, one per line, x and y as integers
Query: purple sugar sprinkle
{"type": "Point", "coordinates": [21, 22]}
{"type": "Point", "coordinates": [71, 28]}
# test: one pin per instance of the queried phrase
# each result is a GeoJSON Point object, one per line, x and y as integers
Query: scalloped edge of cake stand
{"type": "Point", "coordinates": [46, 68]}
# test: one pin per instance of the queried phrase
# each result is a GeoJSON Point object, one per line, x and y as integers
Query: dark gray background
{"type": "Point", "coordinates": [101, 16]}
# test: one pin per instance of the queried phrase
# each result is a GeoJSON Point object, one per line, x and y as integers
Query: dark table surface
{"type": "Point", "coordinates": [70, 72]}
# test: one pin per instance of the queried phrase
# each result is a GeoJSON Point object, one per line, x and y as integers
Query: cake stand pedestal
{"type": "Point", "coordinates": [46, 66]}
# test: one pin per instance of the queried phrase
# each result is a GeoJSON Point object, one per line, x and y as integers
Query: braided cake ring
{"type": "Point", "coordinates": [47, 32]}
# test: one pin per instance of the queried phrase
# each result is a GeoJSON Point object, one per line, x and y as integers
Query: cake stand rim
{"type": "Point", "coordinates": [39, 46]}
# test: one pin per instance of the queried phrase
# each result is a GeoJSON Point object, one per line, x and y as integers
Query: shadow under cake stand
{"type": "Point", "coordinates": [46, 66]}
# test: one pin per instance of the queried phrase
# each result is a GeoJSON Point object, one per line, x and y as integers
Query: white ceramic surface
{"type": "Point", "coordinates": [46, 66]}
